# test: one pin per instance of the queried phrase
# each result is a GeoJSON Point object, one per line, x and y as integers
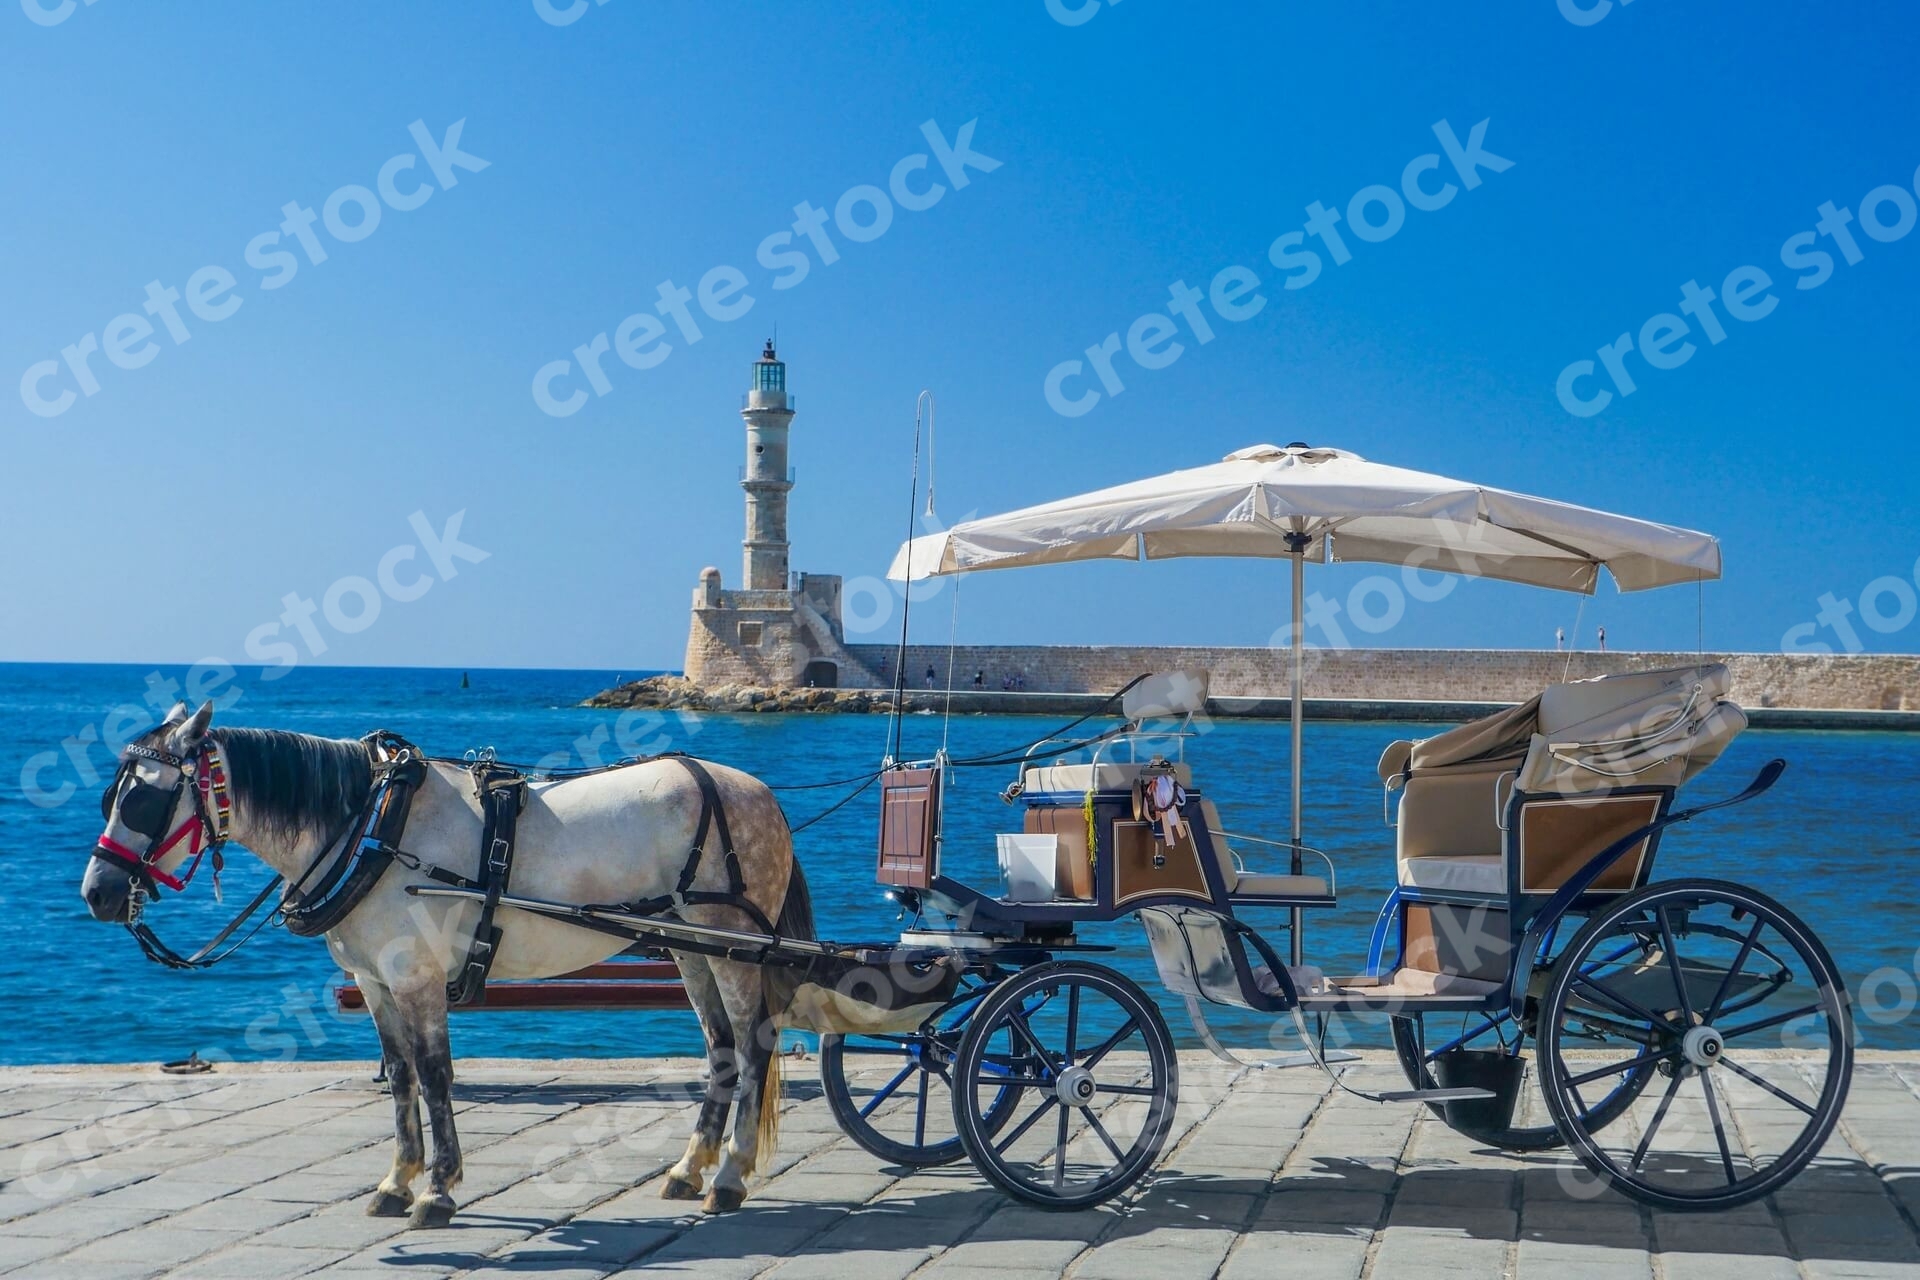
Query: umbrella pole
{"type": "Point", "coordinates": [1298, 541]}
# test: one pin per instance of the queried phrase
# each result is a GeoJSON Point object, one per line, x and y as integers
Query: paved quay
{"type": "Point", "coordinates": [260, 1172]}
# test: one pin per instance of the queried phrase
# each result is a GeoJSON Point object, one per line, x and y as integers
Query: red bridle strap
{"type": "Point", "coordinates": [191, 828]}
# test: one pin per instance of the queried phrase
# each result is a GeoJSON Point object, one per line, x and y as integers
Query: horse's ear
{"type": "Point", "coordinates": [176, 716]}
{"type": "Point", "coordinates": [188, 735]}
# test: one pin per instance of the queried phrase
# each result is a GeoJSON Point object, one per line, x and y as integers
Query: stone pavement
{"type": "Point", "coordinates": [259, 1172]}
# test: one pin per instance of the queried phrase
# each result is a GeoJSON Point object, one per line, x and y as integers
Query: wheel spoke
{"type": "Point", "coordinates": [1769, 1086]}
{"type": "Point", "coordinates": [1073, 1021]}
{"type": "Point", "coordinates": [1672, 949]}
{"type": "Point", "coordinates": [1060, 1153]}
{"type": "Point", "coordinates": [1774, 1021]}
{"type": "Point", "coordinates": [1019, 1023]}
{"type": "Point", "coordinates": [1119, 1156]}
{"type": "Point", "coordinates": [1614, 1069]}
{"type": "Point", "coordinates": [1739, 962]}
{"type": "Point", "coordinates": [1131, 1090]}
{"type": "Point", "coordinates": [1653, 1126]}
{"type": "Point", "coordinates": [1622, 1003]}
{"type": "Point", "coordinates": [920, 1115]}
{"type": "Point", "coordinates": [885, 1091]}
{"type": "Point", "coordinates": [1020, 1130]}
{"type": "Point", "coordinates": [1719, 1129]}
{"type": "Point", "coordinates": [1111, 1042]}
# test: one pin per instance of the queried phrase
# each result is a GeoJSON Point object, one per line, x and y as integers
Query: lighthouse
{"type": "Point", "coordinates": [778, 629]}
{"type": "Point", "coordinates": [767, 478]}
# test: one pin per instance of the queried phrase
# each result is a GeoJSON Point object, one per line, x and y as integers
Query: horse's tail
{"type": "Point", "coordinates": [796, 913]}
{"type": "Point", "coordinates": [795, 921]}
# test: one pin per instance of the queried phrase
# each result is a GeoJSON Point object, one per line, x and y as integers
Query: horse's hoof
{"type": "Point", "coordinates": [388, 1204]}
{"type": "Point", "coordinates": [431, 1211]}
{"type": "Point", "coordinates": [725, 1199]}
{"type": "Point", "coordinates": [680, 1188]}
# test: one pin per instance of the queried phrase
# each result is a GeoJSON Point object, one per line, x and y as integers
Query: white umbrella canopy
{"type": "Point", "coordinates": [1268, 501]}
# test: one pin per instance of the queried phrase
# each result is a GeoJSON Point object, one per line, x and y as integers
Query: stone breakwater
{"type": "Point", "coordinates": [1786, 690]}
{"type": "Point", "coordinates": [1810, 681]}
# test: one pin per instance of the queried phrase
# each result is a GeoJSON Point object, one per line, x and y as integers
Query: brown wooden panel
{"type": "Point", "coordinates": [1471, 942]}
{"type": "Point", "coordinates": [1558, 837]}
{"type": "Point", "coordinates": [1136, 876]}
{"type": "Point", "coordinates": [1072, 868]}
{"type": "Point", "coordinates": [909, 816]}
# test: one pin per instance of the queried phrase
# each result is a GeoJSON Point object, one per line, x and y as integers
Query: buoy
{"type": "Point", "coordinates": [463, 681]}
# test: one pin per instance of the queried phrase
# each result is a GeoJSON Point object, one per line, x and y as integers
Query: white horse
{"type": "Point", "coordinates": [619, 835]}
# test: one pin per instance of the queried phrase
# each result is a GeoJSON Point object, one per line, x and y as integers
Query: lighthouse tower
{"type": "Point", "coordinates": [767, 479]}
{"type": "Point", "coordinates": [778, 629]}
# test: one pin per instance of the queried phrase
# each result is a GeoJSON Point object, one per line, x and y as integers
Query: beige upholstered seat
{"type": "Point", "coordinates": [1471, 873]}
{"type": "Point", "coordinates": [1113, 775]}
{"type": "Point", "coordinates": [1251, 884]}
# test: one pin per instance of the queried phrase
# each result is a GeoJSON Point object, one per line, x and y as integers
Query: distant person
{"type": "Point", "coordinates": [1603, 639]}
{"type": "Point", "coordinates": [979, 680]}
{"type": "Point", "coordinates": [930, 676]}
{"type": "Point", "coordinates": [1559, 639]}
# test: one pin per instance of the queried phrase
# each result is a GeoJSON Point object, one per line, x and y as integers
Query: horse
{"type": "Point", "coordinates": [616, 835]}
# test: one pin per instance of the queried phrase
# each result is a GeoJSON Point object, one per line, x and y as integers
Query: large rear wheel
{"type": "Point", "coordinates": [1708, 983]}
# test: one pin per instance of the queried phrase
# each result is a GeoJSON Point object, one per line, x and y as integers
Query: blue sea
{"type": "Point", "coordinates": [1835, 841]}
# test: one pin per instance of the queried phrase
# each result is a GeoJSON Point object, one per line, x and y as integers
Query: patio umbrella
{"type": "Point", "coordinates": [1303, 503]}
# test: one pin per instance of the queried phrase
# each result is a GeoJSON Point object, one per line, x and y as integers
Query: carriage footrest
{"type": "Point", "coordinates": [1436, 1095]}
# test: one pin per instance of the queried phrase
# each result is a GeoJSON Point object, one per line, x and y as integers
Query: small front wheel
{"type": "Point", "coordinates": [1090, 1067]}
{"type": "Point", "coordinates": [1703, 981]}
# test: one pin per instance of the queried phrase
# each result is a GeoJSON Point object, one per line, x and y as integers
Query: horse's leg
{"type": "Point", "coordinates": [684, 1180]}
{"type": "Point", "coordinates": [742, 990]}
{"type": "Point", "coordinates": [395, 1195]}
{"type": "Point", "coordinates": [424, 1012]}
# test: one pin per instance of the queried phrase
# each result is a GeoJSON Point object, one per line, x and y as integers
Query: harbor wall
{"type": "Point", "coordinates": [1854, 682]}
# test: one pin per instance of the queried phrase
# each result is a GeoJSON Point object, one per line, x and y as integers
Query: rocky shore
{"type": "Point", "coordinates": [680, 693]}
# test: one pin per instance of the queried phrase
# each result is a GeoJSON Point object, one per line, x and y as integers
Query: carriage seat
{"type": "Point", "coordinates": [1078, 779]}
{"type": "Point", "coordinates": [1449, 833]}
{"type": "Point", "coordinates": [1246, 884]}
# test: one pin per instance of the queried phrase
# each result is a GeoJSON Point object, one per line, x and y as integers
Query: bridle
{"type": "Point", "coordinates": [203, 777]}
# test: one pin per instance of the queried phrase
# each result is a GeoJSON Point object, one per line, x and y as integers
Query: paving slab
{"type": "Point", "coordinates": [261, 1172]}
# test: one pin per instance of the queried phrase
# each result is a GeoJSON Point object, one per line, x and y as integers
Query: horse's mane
{"type": "Point", "coordinates": [292, 783]}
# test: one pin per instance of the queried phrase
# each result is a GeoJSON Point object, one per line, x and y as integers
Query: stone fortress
{"type": "Point", "coordinates": [782, 631]}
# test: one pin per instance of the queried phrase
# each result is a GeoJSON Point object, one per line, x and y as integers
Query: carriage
{"type": "Point", "coordinates": [1543, 987]}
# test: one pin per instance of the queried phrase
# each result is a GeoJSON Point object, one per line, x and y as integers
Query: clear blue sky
{"type": "Point", "coordinates": [282, 448]}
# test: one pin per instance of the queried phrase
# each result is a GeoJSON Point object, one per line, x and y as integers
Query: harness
{"type": "Point", "coordinates": [683, 894]}
{"type": "Point", "coordinates": [398, 771]}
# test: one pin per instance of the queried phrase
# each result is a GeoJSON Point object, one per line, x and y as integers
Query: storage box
{"type": "Point", "coordinates": [1027, 862]}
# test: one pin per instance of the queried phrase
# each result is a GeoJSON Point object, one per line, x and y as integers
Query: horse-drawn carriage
{"type": "Point", "coordinates": [1542, 987]}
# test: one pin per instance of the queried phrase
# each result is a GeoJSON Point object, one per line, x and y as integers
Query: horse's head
{"type": "Point", "coordinates": [167, 804]}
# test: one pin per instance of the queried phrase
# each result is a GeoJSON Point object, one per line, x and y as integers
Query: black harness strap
{"type": "Point", "coordinates": [502, 791]}
{"type": "Point", "coordinates": [713, 815]}
{"type": "Point", "coordinates": [399, 770]}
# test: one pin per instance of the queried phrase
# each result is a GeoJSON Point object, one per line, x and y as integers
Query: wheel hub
{"type": "Point", "coordinates": [1702, 1047]}
{"type": "Point", "coordinates": [1075, 1087]}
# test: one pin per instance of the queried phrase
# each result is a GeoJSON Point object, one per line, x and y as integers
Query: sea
{"type": "Point", "coordinates": [1835, 841]}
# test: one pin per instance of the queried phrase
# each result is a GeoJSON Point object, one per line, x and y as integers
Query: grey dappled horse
{"type": "Point", "coordinates": [617, 835]}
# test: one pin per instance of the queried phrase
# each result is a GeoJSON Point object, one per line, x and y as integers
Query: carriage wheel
{"type": "Point", "coordinates": [1711, 973]}
{"type": "Point", "coordinates": [1090, 1065]}
{"type": "Point", "coordinates": [905, 1116]}
{"type": "Point", "coordinates": [1419, 1038]}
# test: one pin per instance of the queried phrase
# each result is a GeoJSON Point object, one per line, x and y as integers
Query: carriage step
{"type": "Point", "coordinates": [1435, 1095]}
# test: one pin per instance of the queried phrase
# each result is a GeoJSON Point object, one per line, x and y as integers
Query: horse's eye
{"type": "Point", "coordinates": [144, 809]}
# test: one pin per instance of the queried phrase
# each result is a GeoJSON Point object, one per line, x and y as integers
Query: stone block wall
{"type": "Point", "coordinates": [1863, 682]}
